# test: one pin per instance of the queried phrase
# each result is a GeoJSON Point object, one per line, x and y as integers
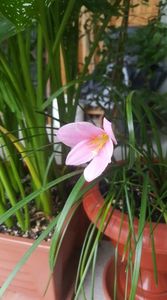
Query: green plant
{"type": "Point", "coordinates": [43, 40]}
{"type": "Point", "coordinates": [24, 103]}
{"type": "Point", "coordinates": [137, 186]}
{"type": "Point", "coordinates": [138, 51]}
{"type": "Point", "coordinates": [38, 39]}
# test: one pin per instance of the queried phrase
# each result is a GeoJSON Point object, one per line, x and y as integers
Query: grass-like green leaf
{"type": "Point", "coordinates": [93, 271]}
{"type": "Point", "coordinates": [130, 124]}
{"type": "Point", "coordinates": [91, 247]}
{"type": "Point", "coordinates": [62, 218]}
{"type": "Point", "coordinates": [153, 125]}
{"type": "Point", "coordinates": [138, 250]}
{"type": "Point", "coordinates": [35, 194]}
{"type": "Point", "coordinates": [57, 94]}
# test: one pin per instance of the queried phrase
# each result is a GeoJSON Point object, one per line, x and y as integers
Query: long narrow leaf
{"type": "Point", "coordinates": [130, 124]}
{"type": "Point", "coordinates": [138, 250]}
{"type": "Point", "coordinates": [63, 215]}
{"type": "Point", "coordinates": [58, 93]}
{"type": "Point", "coordinates": [35, 194]}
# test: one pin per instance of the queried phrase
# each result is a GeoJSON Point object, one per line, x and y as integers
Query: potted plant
{"type": "Point", "coordinates": [137, 230]}
{"type": "Point", "coordinates": [33, 41]}
{"type": "Point", "coordinates": [137, 187]}
{"type": "Point", "coordinates": [27, 164]}
{"type": "Point", "coordinates": [136, 184]}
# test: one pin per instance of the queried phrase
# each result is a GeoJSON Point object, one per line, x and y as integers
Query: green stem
{"type": "Point", "coordinates": [9, 222]}
{"type": "Point", "coordinates": [18, 182]}
{"type": "Point", "coordinates": [88, 59]}
{"type": "Point", "coordinates": [12, 77]}
{"type": "Point", "coordinates": [60, 100]}
{"type": "Point", "coordinates": [26, 69]}
{"type": "Point", "coordinates": [51, 64]}
{"type": "Point", "coordinates": [63, 24]}
{"type": "Point", "coordinates": [70, 66]}
{"type": "Point", "coordinates": [10, 194]}
{"type": "Point", "coordinates": [57, 237]}
{"type": "Point", "coordinates": [25, 105]}
{"type": "Point", "coordinates": [117, 73]}
{"type": "Point", "coordinates": [40, 91]}
{"type": "Point", "coordinates": [39, 159]}
{"type": "Point", "coordinates": [40, 87]}
{"type": "Point", "coordinates": [47, 206]}
{"type": "Point", "coordinates": [31, 119]}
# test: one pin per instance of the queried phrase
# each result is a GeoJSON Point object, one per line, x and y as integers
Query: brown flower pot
{"type": "Point", "coordinates": [31, 281]}
{"type": "Point", "coordinates": [147, 288]}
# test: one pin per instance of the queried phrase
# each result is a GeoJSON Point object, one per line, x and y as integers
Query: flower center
{"type": "Point", "coordinates": [99, 141]}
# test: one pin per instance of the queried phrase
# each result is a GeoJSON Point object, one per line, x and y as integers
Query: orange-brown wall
{"type": "Point", "coordinates": [139, 16]}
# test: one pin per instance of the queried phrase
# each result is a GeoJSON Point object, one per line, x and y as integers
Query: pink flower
{"type": "Point", "coordinates": [88, 143]}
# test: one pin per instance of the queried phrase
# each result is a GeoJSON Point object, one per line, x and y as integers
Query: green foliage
{"type": "Point", "coordinates": [7, 29]}
{"type": "Point", "coordinates": [39, 29]}
{"type": "Point", "coordinates": [20, 13]}
{"type": "Point", "coordinates": [149, 43]}
{"type": "Point", "coordinates": [35, 37]}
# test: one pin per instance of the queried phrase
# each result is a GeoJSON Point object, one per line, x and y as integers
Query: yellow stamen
{"type": "Point", "coordinates": [98, 142]}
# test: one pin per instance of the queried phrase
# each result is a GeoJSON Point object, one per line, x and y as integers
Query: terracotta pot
{"type": "Point", "coordinates": [31, 281]}
{"type": "Point", "coordinates": [147, 288]}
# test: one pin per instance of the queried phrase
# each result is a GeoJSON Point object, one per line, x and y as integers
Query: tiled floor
{"type": "Point", "coordinates": [106, 250]}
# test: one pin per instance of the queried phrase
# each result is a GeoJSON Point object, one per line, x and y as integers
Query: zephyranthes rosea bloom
{"type": "Point", "coordinates": [88, 143]}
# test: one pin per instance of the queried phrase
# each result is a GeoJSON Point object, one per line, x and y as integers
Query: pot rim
{"type": "Point", "coordinates": [93, 201]}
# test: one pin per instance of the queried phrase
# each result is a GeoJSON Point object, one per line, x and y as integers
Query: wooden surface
{"type": "Point", "coordinates": [141, 14]}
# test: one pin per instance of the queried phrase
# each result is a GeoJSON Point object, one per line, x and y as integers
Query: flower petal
{"type": "Point", "coordinates": [73, 133]}
{"type": "Point", "coordinates": [99, 163]}
{"type": "Point", "coordinates": [80, 154]}
{"type": "Point", "coordinates": [108, 129]}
